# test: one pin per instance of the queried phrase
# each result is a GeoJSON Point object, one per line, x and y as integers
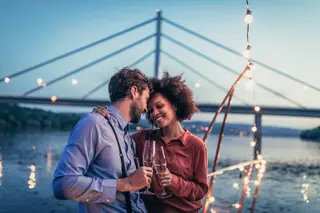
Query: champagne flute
{"type": "Point", "coordinates": [148, 158]}
{"type": "Point", "coordinates": [160, 165]}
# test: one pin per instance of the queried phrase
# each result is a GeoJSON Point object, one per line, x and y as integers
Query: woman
{"type": "Point", "coordinates": [186, 174]}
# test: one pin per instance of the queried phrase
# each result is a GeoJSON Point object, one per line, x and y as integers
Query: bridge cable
{"type": "Point", "coordinates": [201, 75]}
{"type": "Point", "coordinates": [239, 54]}
{"type": "Point", "coordinates": [107, 81]}
{"type": "Point", "coordinates": [229, 69]}
{"type": "Point", "coordinates": [90, 64]}
{"type": "Point", "coordinates": [76, 50]}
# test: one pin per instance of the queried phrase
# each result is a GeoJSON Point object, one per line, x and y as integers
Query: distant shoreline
{"type": "Point", "coordinates": [14, 118]}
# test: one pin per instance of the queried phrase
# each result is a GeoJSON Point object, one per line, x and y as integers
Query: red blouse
{"type": "Point", "coordinates": [187, 161]}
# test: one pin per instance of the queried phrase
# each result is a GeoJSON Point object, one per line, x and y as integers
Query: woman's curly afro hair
{"type": "Point", "coordinates": [178, 93]}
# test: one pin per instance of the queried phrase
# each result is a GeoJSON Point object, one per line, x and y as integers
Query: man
{"type": "Point", "coordinates": [91, 170]}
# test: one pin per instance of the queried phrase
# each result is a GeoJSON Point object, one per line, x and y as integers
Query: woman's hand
{"type": "Point", "coordinates": [102, 111]}
{"type": "Point", "coordinates": [165, 178]}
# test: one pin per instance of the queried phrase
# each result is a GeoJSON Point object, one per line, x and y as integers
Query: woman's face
{"type": "Point", "coordinates": [161, 111]}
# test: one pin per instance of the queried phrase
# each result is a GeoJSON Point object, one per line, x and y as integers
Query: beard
{"type": "Point", "coordinates": [135, 113]}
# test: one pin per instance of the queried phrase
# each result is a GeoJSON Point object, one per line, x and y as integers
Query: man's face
{"type": "Point", "coordinates": [139, 106]}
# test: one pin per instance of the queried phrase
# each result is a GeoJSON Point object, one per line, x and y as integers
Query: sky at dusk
{"type": "Point", "coordinates": [284, 35]}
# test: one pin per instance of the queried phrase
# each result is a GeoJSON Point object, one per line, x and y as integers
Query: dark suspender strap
{"type": "Point", "coordinates": [123, 168]}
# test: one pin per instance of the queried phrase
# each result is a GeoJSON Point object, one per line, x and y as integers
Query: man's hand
{"type": "Point", "coordinates": [165, 178]}
{"type": "Point", "coordinates": [102, 111]}
{"type": "Point", "coordinates": [137, 180]}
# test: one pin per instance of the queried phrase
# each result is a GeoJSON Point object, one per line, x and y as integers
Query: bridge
{"type": "Point", "coordinates": [299, 110]}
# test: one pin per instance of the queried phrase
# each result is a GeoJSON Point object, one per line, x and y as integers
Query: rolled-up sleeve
{"type": "Point", "coordinates": [70, 180]}
{"type": "Point", "coordinates": [198, 187]}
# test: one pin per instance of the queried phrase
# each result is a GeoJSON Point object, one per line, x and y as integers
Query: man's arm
{"type": "Point", "coordinates": [69, 180]}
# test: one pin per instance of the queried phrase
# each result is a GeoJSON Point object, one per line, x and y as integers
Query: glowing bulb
{"type": "Point", "coordinates": [197, 85]}
{"type": "Point", "coordinates": [254, 128]}
{"type": "Point", "coordinates": [53, 99]}
{"type": "Point", "coordinates": [32, 168]}
{"type": "Point", "coordinates": [257, 166]}
{"type": "Point", "coordinates": [241, 168]}
{"type": "Point", "coordinates": [260, 157]}
{"type": "Point", "coordinates": [6, 79]}
{"type": "Point", "coordinates": [213, 211]}
{"type": "Point", "coordinates": [74, 81]}
{"type": "Point", "coordinates": [257, 108]}
{"type": "Point", "coordinates": [246, 180]}
{"type": "Point", "coordinates": [304, 176]}
{"type": "Point", "coordinates": [43, 84]}
{"type": "Point", "coordinates": [39, 81]}
{"type": "Point", "coordinates": [246, 53]}
{"type": "Point", "coordinates": [251, 65]}
{"type": "Point", "coordinates": [248, 19]}
{"type": "Point", "coordinates": [236, 185]}
{"type": "Point", "coordinates": [307, 201]}
{"type": "Point", "coordinates": [211, 199]}
{"type": "Point", "coordinates": [236, 205]}
{"type": "Point", "coordinates": [256, 183]}
{"type": "Point", "coordinates": [252, 143]}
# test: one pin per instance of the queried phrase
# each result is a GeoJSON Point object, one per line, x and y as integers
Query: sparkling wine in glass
{"type": "Point", "coordinates": [148, 157]}
{"type": "Point", "coordinates": [160, 165]}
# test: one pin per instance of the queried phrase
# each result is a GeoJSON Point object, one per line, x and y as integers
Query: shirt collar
{"type": "Point", "coordinates": [183, 138]}
{"type": "Point", "coordinates": [118, 115]}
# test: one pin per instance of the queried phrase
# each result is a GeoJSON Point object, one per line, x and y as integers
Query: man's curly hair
{"type": "Point", "coordinates": [121, 82]}
{"type": "Point", "coordinates": [178, 93]}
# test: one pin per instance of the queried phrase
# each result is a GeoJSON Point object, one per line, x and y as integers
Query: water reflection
{"type": "Point", "coordinates": [49, 159]}
{"type": "Point", "coordinates": [0, 169]}
{"type": "Point", "coordinates": [32, 177]}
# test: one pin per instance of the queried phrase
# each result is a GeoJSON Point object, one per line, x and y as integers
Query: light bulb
{"type": "Point", "coordinates": [246, 180]}
{"type": "Point", "coordinates": [247, 53]}
{"type": "Point", "coordinates": [251, 65]}
{"type": "Point", "coordinates": [211, 199]}
{"type": "Point", "coordinates": [74, 81]}
{"type": "Point", "coordinates": [53, 99]}
{"type": "Point", "coordinates": [252, 143]}
{"type": "Point", "coordinates": [235, 185]}
{"type": "Point", "coordinates": [254, 128]}
{"type": "Point", "coordinates": [257, 108]}
{"type": "Point", "coordinates": [197, 85]}
{"type": "Point", "coordinates": [39, 81]}
{"type": "Point", "coordinates": [237, 205]}
{"type": "Point", "coordinates": [248, 18]}
{"type": "Point", "coordinates": [6, 79]}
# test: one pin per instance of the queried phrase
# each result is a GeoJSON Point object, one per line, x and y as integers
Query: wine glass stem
{"type": "Point", "coordinates": [164, 191]}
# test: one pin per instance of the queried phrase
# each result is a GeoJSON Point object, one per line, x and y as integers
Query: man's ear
{"type": "Point", "coordinates": [134, 92]}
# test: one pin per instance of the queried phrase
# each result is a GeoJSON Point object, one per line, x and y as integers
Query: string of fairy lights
{"type": "Point", "coordinates": [42, 83]}
{"type": "Point", "coordinates": [261, 164]}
